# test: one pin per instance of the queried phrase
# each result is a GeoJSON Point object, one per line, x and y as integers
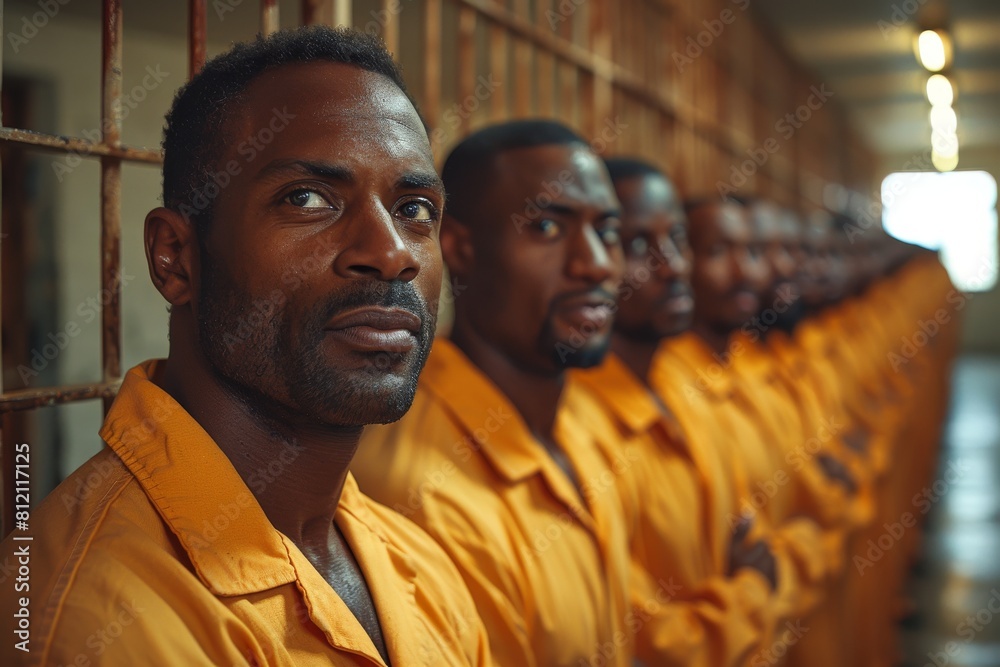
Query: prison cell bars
{"type": "Point", "coordinates": [586, 63]}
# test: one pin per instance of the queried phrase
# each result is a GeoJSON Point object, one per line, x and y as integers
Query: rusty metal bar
{"type": "Point", "coordinates": [81, 147]}
{"type": "Point", "coordinates": [268, 17]}
{"type": "Point", "coordinates": [111, 190]}
{"type": "Point", "coordinates": [28, 399]}
{"type": "Point", "coordinates": [197, 36]}
{"type": "Point", "coordinates": [312, 11]}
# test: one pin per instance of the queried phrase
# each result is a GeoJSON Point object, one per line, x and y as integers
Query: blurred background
{"type": "Point", "coordinates": [886, 109]}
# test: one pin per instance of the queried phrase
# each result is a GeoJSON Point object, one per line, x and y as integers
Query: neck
{"type": "Point", "coordinates": [294, 467]}
{"type": "Point", "coordinates": [637, 354]}
{"type": "Point", "coordinates": [535, 395]}
{"type": "Point", "coordinates": [716, 339]}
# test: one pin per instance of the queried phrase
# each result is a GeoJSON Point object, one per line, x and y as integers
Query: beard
{"type": "Point", "coordinates": [281, 367]}
{"type": "Point", "coordinates": [578, 350]}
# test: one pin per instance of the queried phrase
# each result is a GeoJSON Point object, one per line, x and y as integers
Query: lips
{"type": "Point", "coordinates": [679, 298]}
{"type": "Point", "coordinates": [595, 309]}
{"type": "Point", "coordinates": [376, 329]}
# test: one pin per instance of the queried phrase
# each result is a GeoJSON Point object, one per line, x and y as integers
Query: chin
{"type": "Point", "coordinates": [592, 353]}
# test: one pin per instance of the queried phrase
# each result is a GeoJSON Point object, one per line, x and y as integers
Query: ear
{"type": "Point", "coordinates": [456, 246]}
{"type": "Point", "coordinates": [171, 253]}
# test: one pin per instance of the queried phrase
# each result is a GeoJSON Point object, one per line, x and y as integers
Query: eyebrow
{"type": "Point", "coordinates": [413, 180]}
{"type": "Point", "coordinates": [565, 209]}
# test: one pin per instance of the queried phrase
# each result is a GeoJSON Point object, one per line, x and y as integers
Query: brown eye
{"type": "Point", "coordinates": [638, 247]}
{"type": "Point", "coordinates": [418, 211]}
{"type": "Point", "coordinates": [307, 199]}
{"type": "Point", "coordinates": [549, 228]}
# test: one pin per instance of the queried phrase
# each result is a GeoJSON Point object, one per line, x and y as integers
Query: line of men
{"type": "Point", "coordinates": [658, 433]}
{"type": "Point", "coordinates": [696, 496]}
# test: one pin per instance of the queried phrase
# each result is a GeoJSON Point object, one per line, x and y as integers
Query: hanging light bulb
{"type": "Point", "coordinates": [944, 120]}
{"type": "Point", "coordinates": [933, 47]}
{"type": "Point", "coordinates": [940, 91]}
{"type": "Point", "coordinates": [944, 162]}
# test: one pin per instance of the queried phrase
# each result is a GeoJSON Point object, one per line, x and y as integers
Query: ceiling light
{"type": "Point", "coordinates": [944, 163]}
{"type": "Point", "coordinates": [933, 49]}
{"type": "Point", "coordinates": [944, 120]}
{"type": "Point", "coordinates": [944, 143]}
{"type": "Point", "coordinates": [940, 91]}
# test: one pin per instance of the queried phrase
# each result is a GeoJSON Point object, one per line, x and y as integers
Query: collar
{"type": "Point", "coordinates": [621, 393]}
{"type": "Point", "coordinates": [483, 410]}
{"type": "Point", "coordinates": [701, 367]}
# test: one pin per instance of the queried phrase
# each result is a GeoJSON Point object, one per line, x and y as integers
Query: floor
{"type": "Point", "coordinates": [956, 586]}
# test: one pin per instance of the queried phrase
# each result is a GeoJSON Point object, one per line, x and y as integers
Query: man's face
{"type": "Point", "coordinates": [656, 299]}
{"type": "Point", "coordinates": [730, 274]}
{"type": "Point", "coordinates": [771, 231]}
{"type": "Point", "coordinates": [548, 259]}
{"type": "Point", "coordinates": [323, 257]}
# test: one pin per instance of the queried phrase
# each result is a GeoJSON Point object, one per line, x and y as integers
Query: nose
{"type": "Point", "coordinates": [591, 260]}
{"type": "Point", "coordinates": [373, 248]}
{"type": "Point", "coordinates": [672, 263]}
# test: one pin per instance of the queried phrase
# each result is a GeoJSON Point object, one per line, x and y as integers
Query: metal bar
{"type": "Point", "coordinates": [432, 62]}
{"type": "Point", "coordinates": [268, 17]}
{"type": "Point", "coordinates": [197, 36]}
{"type": "Point", "coordinates": [111, 188]}
{"type": "Point", "coordinates": [28, 399]}
{"type": "Point", "coordinates": [390, 31]}
{"type": "Point", "coordinates": [466, 70]}
{"type": "Point", "coordinates": [311, 12]}
{"type": "Point", "coordinates": [498, 68]}
{"type": "Point", "coordinates": [81, 147]}
{"type": "Point", "coordinates": [342, 13]}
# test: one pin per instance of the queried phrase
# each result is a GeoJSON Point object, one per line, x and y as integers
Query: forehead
{"type": "Point", "coordinates": [319, 106]}
{"type": "Point", "coordinates": [648, 201]}
{"type": "Point", "coordinates": [729, 222]}
{"type": "Point", "coordinates": [572, 170]}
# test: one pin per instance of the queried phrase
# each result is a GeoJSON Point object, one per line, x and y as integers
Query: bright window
{"type": "Point", "coordinates": [954, 212]}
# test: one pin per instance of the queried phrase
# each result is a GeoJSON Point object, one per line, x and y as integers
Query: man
{"type": "Point", "coordinates": [225, 527]}
{"type": "Point", "coordinates": [495, 459]}
{"type": "Point", "coordinates": [696, 370]}
{"type": "Point", "coordinates": [681, 492]}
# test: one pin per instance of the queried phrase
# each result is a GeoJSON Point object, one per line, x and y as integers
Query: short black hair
{"type": "Point", "coordinates": [194, 136]}
{"type": "Point", "coordinates": [621, 168]}
{"type": "Point", "coordinates": [466, 164]}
